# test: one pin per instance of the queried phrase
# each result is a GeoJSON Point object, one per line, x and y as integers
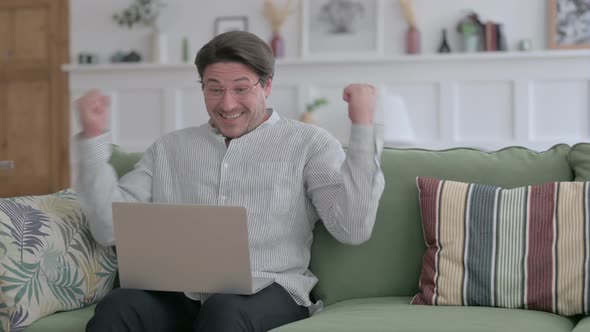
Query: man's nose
{"type": "Point", "coordinates": [228, 102]}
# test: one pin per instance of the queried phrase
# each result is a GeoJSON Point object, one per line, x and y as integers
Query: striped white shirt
{"type": "Point", "coordinates": [287, 174]}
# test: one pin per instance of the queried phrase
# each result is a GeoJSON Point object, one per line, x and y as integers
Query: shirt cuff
{"type": "Point", "coordinates": [366, 138]}
{"type": "Point", "coordinates": [93, 150]}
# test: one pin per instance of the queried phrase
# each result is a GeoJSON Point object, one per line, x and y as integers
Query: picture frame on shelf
{"type": "Point", "coordinates": [569, 24]}
{"type": "Point", "coordinates": [341, 28]}
{"type": "Point", "coordinates": [230, 23]}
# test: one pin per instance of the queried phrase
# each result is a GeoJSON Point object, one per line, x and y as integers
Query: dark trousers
{"type": "Point", "coordinates": [138, 310]}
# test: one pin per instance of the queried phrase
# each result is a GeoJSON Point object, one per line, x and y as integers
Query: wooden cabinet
{"type": "Point", "coordinates": [34, 97]}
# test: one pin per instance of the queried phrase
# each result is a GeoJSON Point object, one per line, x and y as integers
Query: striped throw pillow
{"type": "Point", "coordinates": [525, 248]}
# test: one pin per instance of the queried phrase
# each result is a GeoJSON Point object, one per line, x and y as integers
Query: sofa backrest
{"type": "Point", "coordinates": [122, 161]}
{"type": "Point", "coordinates": [389, 263]}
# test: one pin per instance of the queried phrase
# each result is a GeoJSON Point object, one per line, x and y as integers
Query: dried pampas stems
{"type": "Point", "coordinates": [277, 16]}
{"type": "Point", "coordinates": [409, 13]}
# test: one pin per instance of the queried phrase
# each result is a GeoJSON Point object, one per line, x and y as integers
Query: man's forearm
{"type": "Point", "coordinates": [353, 212]}
{"type": "Point", "coordinates": [95, 184]}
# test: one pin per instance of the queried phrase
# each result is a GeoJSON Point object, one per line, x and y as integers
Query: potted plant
{"type": "Point", "coordinates": [310, 108]}
{"type": "Point", "coordinates": [146, 13]}
{"type": "Point", "coordinates": [143, 12]}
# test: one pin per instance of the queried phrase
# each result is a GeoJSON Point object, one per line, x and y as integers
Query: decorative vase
{"type": "Point", "coordinates": [277, 45]}
{"type": "Point", "coordinates": [525, 45]}
{"type": "Point", "coordinates": [413, 40]}
{"type": "Point", "coordinates": [471, 43]}
{"type": "Point", "coordinates": [306, 117]}
{"type": "Point", "coordinates": [159, 47]}
{"type": "Point", "coordinates": [185, 50]}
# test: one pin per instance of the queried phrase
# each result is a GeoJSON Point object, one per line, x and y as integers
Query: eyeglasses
{"type": "Point", "coordinates": [238, 92]}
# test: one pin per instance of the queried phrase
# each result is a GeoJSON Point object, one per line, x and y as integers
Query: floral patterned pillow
{"type": "Point", "coordinates": [48, 258]}
{"type": "Point", "coordinates": [3, 310]}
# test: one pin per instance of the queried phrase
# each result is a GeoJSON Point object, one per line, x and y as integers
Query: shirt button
{"type": "Point", "coordinates": [225, 165]}
{"type": "Point", "coordinates": [223, 198]}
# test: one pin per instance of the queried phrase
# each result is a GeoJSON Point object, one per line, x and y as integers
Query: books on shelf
{"type": "Point", "coordinates": [493, 37]}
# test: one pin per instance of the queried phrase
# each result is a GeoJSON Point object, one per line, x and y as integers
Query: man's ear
{"type": "Point", "coordinates": [268, 86]}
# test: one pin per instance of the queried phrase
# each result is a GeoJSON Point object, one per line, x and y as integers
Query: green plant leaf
{"type": "Point", "coordinates": [84, 244]}
{"type": "Point", "coordinates": [24, 276]}
{"type": "Point", "coordinates": [3, 247]}
{"type": "Point", "coordinates": [4, 316]}
{"type": "Point", "coordinates": [315, 104]}
{"type": "Point", "coordinates": [67, 287]}
{"type": "Point", "coordinates": [143, 12]}
{"type": "Point", "coordinates": [108, 261]}
{"type": "Point", "coordinates": [17, 319]}
{"type": "Point", "coordinates": [25, 226]}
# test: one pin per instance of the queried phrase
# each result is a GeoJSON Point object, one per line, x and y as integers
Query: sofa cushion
{"type": "Point", "coordinates": [389, 263]}
{"type": "Point", "coordinates": [51, 262]}
{"type": "Point", "coordinates": [579, 157]}
{"type": "Point", "coordinates": [122, 161]}
{"type": "Point", "coordinates": [69, 321]}
{"type": "Point", "coordinates": [583, 325]}
{"type": "Point", "coordinates": [396, 314]}
{"type": "Point", "coordinates": [520, 248]}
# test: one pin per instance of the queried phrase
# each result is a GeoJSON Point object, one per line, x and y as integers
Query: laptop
{"type": "Point", "coordinates": [184, 248]}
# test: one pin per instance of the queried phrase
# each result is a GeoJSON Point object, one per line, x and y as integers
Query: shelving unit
{"type": "Point", "coordinates": [452, 57]}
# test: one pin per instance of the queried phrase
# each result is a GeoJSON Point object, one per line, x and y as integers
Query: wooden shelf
{"type": "Point", "coordinates": [485, 56]}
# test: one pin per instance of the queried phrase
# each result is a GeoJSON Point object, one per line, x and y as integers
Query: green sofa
{"type": "Point", "coordinates": [369, 287]}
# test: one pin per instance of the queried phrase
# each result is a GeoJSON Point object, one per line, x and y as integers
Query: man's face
{"type": "Point", "coordinates": [234, 97]}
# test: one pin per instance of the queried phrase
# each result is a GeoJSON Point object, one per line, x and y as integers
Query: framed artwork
{"type": "Point", "coordinates": [569, 24]}
{"type": "Point", "coordinates": [337, 28]}
{"type": "Point", "coordinates": [230, 23]}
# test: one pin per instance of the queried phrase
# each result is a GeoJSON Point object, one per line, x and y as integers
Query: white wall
{"type": "Point", "coordinates": [93, 30]}
{"type": "Point", "coordinates": [485, 100]}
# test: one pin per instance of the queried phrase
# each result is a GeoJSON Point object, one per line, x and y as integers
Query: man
{"type": "Point", "coordinates": [287, 174]}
